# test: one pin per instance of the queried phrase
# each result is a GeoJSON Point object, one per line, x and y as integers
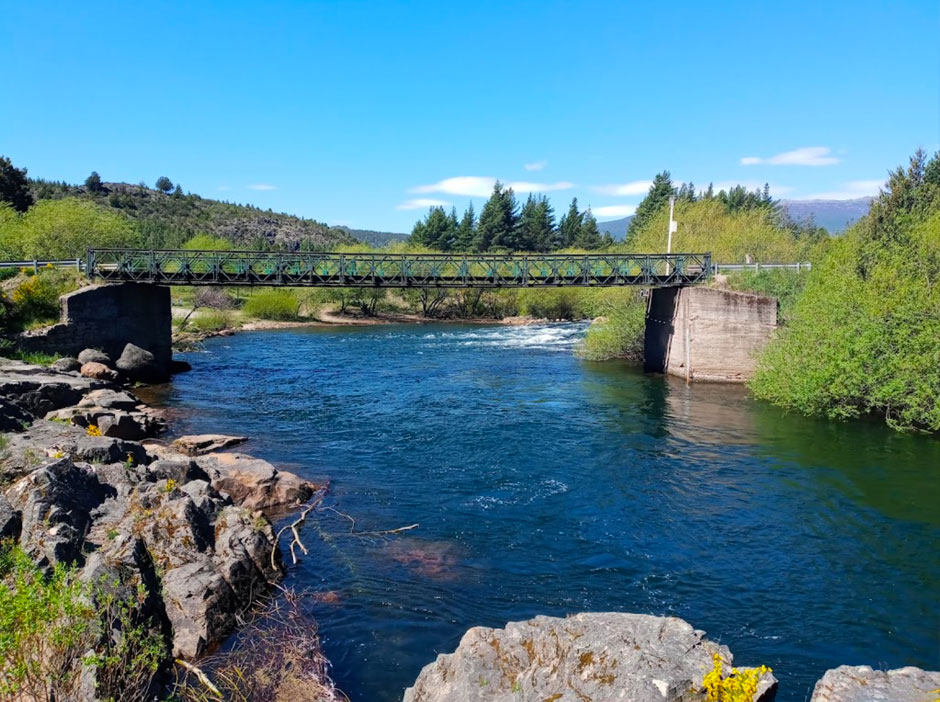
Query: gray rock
{"type": "Point", "coordinates": [13, 417]}
{"type": "Point", "coordinates": [862, 684]}
{"type": "Point", "coordinates": [9, 520]}
{"type": "Point", "coordinates": [55, 503]}
{"type": "Point", "coordinates": [41, 391]}
{"type": "Point", "coordinates": [600, 657]}
{"type": "Point", "coordinates": [110, 399]}
{"type": "Point", "coordinates": [181, 471]}
{"type": "Point", "coordinates": [254, 483]}
{"type": "Point", "coordinates": [99, 371]}
{"type": "Point", "coordinates": [66, 365]}
{"type": "Point", "coordinates": [139, 364]}
{"type": "Point", "coordinates": [200, 444]}
{"type": "Point", "coordinates": [95, 356]}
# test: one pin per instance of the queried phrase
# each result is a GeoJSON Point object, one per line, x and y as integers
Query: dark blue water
{"type": "Point", "coordinates": [543, 484]}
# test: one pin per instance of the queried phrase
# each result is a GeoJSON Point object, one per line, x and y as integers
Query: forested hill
{"type": "Point", "coordinates": [168, 219]}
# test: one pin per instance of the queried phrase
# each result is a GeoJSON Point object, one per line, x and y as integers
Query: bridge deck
{"type": "Point", "coordinates": [396, 270]}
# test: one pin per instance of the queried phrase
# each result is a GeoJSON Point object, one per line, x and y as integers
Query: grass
{"type": "Point", "coordinates": [36, 358]}
{"type": "Point", "coordinates": [211, 320]}
{"type": "Point", "coordinates": [273, 303]}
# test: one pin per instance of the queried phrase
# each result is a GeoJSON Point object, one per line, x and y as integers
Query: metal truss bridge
{"type": "Point", "coordinates": [369, 270]}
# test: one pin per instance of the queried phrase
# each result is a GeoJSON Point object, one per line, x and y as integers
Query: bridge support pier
{"type": "Point", "coordinates": [706, 334]}
{"type": "Point", "coordinates": [108, 317]}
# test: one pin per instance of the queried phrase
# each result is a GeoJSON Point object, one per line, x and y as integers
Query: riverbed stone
{"type": "Point", "coordinates": [66, 365]}
{"type": "Point", "coordinates": [139, 364]}
{"type": "Point", "coordinates": [200, 444]}
{"type": "Point", "coordinates": [94, 356]}
{"type": "Point", "coordinates": [99, 371]}
{"type": "Point", "coordinates": [255, 483]}
{"type": "Point", "coordinates": [600, 657]}
{"type": "Point", "coordinates": [860, 683]}
{"type": "Point", "coordinates": [110, 399]}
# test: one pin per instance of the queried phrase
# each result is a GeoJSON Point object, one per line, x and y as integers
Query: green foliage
{"type": "Point", "coordinates": [498, 220]}
{"type": "Point", "coordinates": [164, 184]}
{"type": "Point", "coordinates": [708, 225]}
{"type": "Point", "coordinates": [64, 228]}
{"type": "Point", "coordinates": [14, 187]}
{"type": "Point", "coordinates": [569, 228]}
{"type": "Point", "coordinates": [93, 182]}
{"type": "Point", "coordinates": [37, 358]}
{"type": "Point", "coordinates": [536, 224]}
{"type": "Point", "coordinates": [53, 624]}
{"type": "Point", "coordinates": [36, 299]}
{"type": "Point", "coordinates": [211, 320]}
{"type": "Point", "coordinates": [207, 242]}
{"type": "Point", "coordinates": [466, 230]}
{"type": "Point", "coordinates": [273, 303]}
{"type": "Point", "coordinates": [651, 205]}
{"type": "Point", "coordinates": [619, 332]}
{"type": "Point", "coordinates": [438, 230]}
{"type": "Point", "coordinates": [783, 284]}
{"type": "Point", "coordinates": [864, 337]}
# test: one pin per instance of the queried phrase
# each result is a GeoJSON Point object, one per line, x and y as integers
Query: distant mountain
{"type": "Point", "coordinates": [373, 238]}
{"type": "Point", "coordinates": [617, 228]}
{"type": "Point", "coordinates": [834, 215]}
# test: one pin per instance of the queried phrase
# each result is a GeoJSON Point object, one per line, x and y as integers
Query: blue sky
{"type": "Point", "coordinates": [363, 113]}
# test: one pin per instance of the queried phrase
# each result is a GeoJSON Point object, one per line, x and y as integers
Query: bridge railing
{"type": "Point", "coordinates": [185, 267]}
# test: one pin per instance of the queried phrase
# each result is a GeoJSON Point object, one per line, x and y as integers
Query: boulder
{"type": "Point", "coordinates": [55, 503]}
{"type": "Point", "coordinates": [179, 471]}
{"type": "Point", "coordinates": [254, 483]}
{"type": "Point", "coordinates": [860, 683]}
{"type": "Point", "coordinates": [95, 356]}
{"type": "Point", "coordinates": [99, 371]}
{"type": "Point", "coordinates": [199, 444]}
{"type": "Point", "coordinates": [40, 391]}
{"type": "Point", "coordinates": [600, 657]}
{"type": "Point", "coordinates": [139, 364]}
{"type": "Point", "coordinates": [66, 365]}
{"type": "Point", "coordinates": [110, 399]}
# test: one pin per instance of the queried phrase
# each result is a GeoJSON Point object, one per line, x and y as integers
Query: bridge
{"type": "Point", "coordinates": [386, 270]}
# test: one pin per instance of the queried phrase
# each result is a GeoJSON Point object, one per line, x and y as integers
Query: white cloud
{"type": "Point", "coordinates": [804, 156]}
{"type": "Point", "coordinates": [523, 186]}
{"type": "Point", "coordinates": [262, 186]}
{"type": "Point", "coordinates": [421, 203]}
{"type": "Point", "coordinates": [636, 187]}
{"type": "Point", "coordinates": [472, 186]}
{"type": "Point", "coordinates": [537, 166]}
{"type": "Point", "coordinates": [850, 191]}
{"type": "Point", "coordinates": [775, 190]}
{"type": "Point", "coordinates": [614, 211]}
{"type": "Point", "coordinates": [223, 188]}
{"type": "Point", "coordinates": [482, 186]}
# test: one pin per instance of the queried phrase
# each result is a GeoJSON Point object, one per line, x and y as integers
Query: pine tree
{"type": "Point", "coordinates": [498, 220]}
{"type": "Point", "coordinates": [569, 228]}
{"type": "Point", "coordinates": [466, 230]}
{"type": "Point", "coordinates": [588, 236]}
{"type": "Point", "coordinates": [93, 182]}
{"type": "Point", "coordinates": [14, 188]}
{"type": "Point", "coordinates": [437, 231]}
{"type": "Point", "coordinates": [178, 192]}
{"type": "Point", "coordinates": [163, 184]}
{"type": "Point", "coordinates": [710, 193]}
{"type": "Point", "coordinates": [660, 192]}
{"type": "Point", "coordinates": [536, 224]}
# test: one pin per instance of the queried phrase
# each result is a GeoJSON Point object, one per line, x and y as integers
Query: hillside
{"type": "Point", "coordinates": [617, 228]}
{"type": "Point", "coordinates": [167, 221]}
{"type": "Point", "coordinates": [373, 238]}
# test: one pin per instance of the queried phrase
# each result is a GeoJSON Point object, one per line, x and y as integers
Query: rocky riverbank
{"type": "Point", "coordinates": [178, 528]}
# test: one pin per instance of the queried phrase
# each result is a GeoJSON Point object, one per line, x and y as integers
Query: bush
{"type": "Point", "coordinates": [785, 285]}
{"type": "Point", "coordinates": [207, 242]}
{"type": "Point", "coordinates": [36, 300]}
{"type": "Point", "coordinates": [273, 303]}
{"type": "Point", "coordinates": [52, 626]}
{"type": "Point", "coordinates": [210, 320]}
{"type": "Point", "coordinates": [619, 334]}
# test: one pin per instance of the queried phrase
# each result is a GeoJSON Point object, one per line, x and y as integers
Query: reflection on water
{"type": "Point", "coordinates": [547, 485]}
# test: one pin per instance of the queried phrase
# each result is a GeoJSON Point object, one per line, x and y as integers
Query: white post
{"type": "Point", "coordinates": [672, 228]}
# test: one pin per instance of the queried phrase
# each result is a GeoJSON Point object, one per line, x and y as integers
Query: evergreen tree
{"type": "Point", "coordinates": [93, 182]}
{"type": "Point", "coordinates": [164, 184]}
{"type": "Point", "coordinates": [657, 198]}
{"type": "Point", "coordinates": [536, 224]}
{"type": "Point", "coordinates": [710, 193]}
{"type": "Point", "coordinates": [498, 220]}
{"type": "Point", "coordinates": [436, 231]}
{"type": "Point", "coordinates": [588, 236]}
{"type": "Point", "coordinates": [14, 188]}
{"type": "Point", "coordinates": [178, 191]}
{"type": "Point", "coordinates": [569, 228]}
{"type": "Point", "coordinates": [466, 230]}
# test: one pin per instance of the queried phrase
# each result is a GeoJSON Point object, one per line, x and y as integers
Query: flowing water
{"type": "Point", "coordinates": [543, 484]}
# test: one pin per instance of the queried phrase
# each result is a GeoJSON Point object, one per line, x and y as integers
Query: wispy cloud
{"type": "Point", "coordinates": [223, 188]}
{"type": "Point", "coordinates": [482, 186]}
{"type": "Point", "coordinates": [262, 186]}
{"type": "Point", "coordinates": [537, 166]}
{"type": "Point", "coordinates": [850, 191]}
{"type": "Point", "coordinates": [614, 210]}
{"type": "Point", "coordinates": [775, 190]}
{"type": "Point", "coordinates": [636, 187]}
{"type": "Point", "coordinates": [805, 156]}
{"type": "Point", "coordinates": [420, 203]}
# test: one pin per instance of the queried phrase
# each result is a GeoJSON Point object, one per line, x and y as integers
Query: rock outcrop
{"type": "Point", "coordinates": [254, 483]}
{"type": "Point", "coordinates": [860, 683]}
{"type": "Point", "coordinates": [200, 444]}
{"type": "Point", "coordinates": [600, 657]}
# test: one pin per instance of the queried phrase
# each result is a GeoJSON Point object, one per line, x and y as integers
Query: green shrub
{"type": "Point", "coordinates": [618, 334]}
{"type": "Point", "coordinates": [207, 242]}
{"type": "Point", "coordinates": [273, 303]}
{"type": "Point", "coordinates": [210, 320]}
{"type": "Point", "coordinates": [36, 300]}
{"type": "Point", "coordinates": [785, 285]}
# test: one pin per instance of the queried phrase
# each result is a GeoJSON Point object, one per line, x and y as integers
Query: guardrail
{"type": "Point", "coordinates": [36, 263]}
{"type": "Point", "coordinates": [758, 267]}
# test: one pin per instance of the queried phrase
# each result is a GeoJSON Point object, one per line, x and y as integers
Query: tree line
{"type": "Point", "coordinates": [504, 226]}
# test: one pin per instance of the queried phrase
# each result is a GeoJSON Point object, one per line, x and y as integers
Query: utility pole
{"type": "Point", "coordinates": [673, 227]}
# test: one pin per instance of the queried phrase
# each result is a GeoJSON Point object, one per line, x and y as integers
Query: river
{"type": "Point", "coordinates": [544, 484]}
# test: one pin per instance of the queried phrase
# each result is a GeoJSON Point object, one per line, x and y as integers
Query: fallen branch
{"type": "Point", "coordinates": [294, 527]}
{"type": "Point", "coordinates": [201, 677]}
